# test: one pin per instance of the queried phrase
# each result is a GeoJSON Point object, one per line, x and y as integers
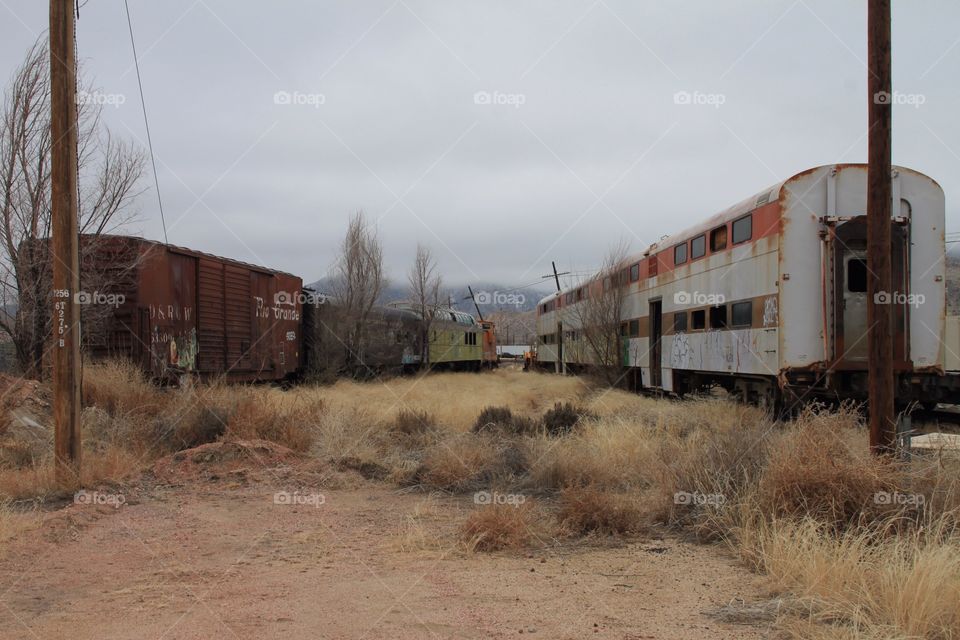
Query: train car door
{"type": "Point", "coordinates": [656, 331]}
{"type": "Point", "coordinates": [851, 345]}
{"type": "Point", "coordinates": [855, 306]}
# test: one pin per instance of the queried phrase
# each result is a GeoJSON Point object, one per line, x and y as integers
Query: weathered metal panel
{"type": "Point", "coordinates": [211, 317]}
{"type": "Point", "coordinates": [951, 344]}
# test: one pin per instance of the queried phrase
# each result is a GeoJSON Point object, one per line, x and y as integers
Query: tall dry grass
{"type": "Point", "coordinates": [864, 580]}
{"type": "Point", "coordinates": [798, 501]}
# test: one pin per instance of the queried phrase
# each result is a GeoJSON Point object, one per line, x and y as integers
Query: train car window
{"type": "Point", "coordinates": [698, 247]}
{"type": "Point", "coordinates": [635, 272]}
{"type": "Point", "coordinates": [624, 329]}
{"type": "Point", "coordinates": [679, 321]}
{"type": "Point", "coordinates": [857, 276]}
{"type": "Point", "coordinates": [680, 254]}
{"type": "Point", "coordinates": [742, 229]}
{"type": "Point", "coordinates": [569, 298]}
{"type": "Point", "coordinates": [718, 238]}
{"type": "Point", "coordinates": [698, 319]}
{"type": "Point", "coordinates": [718, 317]}
{"type": "Point", "coordinates": [741, 314]}
{"type": "Point", "coordinates": [634, 328]}
{"type": "Point", "coordinates": [579, 294]}
{"type": "Point", "coordinates": [652, 265]}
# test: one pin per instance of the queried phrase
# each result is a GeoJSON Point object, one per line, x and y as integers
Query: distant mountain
{"type": "Point", "coordinates": [490, 297]}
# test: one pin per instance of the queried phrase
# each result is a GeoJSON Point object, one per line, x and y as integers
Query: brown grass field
{"type": "Point", "coordinates": [789, 529]}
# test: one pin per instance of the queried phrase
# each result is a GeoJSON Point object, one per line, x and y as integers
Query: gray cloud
{"type": "Point", "coordinates": [498, 190]}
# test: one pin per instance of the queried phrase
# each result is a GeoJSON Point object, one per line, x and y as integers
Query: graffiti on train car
{"type": "Point", "coordinates": [177, 350]}
{"type": "Point", "coordinates": [770, 312]}
{"type": "Point", "coordinates": [160, 312]}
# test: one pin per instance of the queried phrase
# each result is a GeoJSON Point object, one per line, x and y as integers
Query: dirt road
{"type": "Point", "coordinates": [222, 559]}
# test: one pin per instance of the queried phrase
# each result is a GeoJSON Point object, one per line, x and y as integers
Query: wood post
{"type": "Point", "coordinates": [879, 195]}
{"type": "Point", "coordinates": [65, 250]}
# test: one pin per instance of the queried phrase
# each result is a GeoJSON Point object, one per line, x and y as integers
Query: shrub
{"type": "Point", "coordinates": [493, 419]}
{"type": "Point", "coordinates": [119, 386]}
{"type": "Point", "coordinates": [15, 454]}
{"type": "Point", "coordinates": [814, 471]}
{"type": "Point", "coordinates": [200, 425]}
{"type": "Point", "coordinates": [502, 526]}
{"type": "Point", "coordinates": [413, 422]}
{"type": "Point", "coordinates": [462, 463]}
{"type": "Point", "coordinates": [563, 417]}
{"type": "Point", "coordinates": [502, 420]}
{"type": "Point", "coordinates": [586, 510]}
{"type": "Point", "coordinates": [282, 418]}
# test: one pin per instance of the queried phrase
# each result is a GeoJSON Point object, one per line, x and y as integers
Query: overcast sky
{"type": "Point", "coordinates": [503, 134]}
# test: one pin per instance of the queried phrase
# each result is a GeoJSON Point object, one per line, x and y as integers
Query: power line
{"type": "Point", "coordinates": [146, 123]}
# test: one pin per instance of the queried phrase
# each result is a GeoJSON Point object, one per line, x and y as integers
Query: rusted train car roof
{"type": "Point", "coordinates": [770, 194]}
{"type": "Point", "coordinates": [194, 252]}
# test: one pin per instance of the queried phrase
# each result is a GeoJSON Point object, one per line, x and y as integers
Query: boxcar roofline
{"type": "Point", "coordinates": [194, 253]}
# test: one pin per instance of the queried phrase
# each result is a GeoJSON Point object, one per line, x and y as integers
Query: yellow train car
{"type": "Point", "coordinates": [456, 341]}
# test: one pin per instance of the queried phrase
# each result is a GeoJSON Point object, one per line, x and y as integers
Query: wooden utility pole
{"type": "Point", "coordinates": [475, 305]}
{"type": "Point", "coordinates": [65, 258]}
{"type": "Point", "coordinates": [879, 194]}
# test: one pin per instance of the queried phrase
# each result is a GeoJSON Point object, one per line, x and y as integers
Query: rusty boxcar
{"type": "Point", "coordinates": [179, 312]}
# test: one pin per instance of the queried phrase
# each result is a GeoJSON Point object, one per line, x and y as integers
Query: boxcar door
{"type": "Point", "coordinates": [239, 321]}
{"type": "Point", "coordinates": [211, 318]}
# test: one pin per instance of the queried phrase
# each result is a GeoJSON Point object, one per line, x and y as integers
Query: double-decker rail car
{"type": "Point", "coordinates": [768, 298]}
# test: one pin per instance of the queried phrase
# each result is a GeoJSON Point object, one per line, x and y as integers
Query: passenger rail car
{"type": "Point", "coordinates": [768, 298]}
{"type": "Point", "coordinates": [456, 340]}
{"type": "Point", "coordinates": [392, 339]}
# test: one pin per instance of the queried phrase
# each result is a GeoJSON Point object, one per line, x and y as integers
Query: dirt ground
{"type": "Point", "coordinates": [220, 558]}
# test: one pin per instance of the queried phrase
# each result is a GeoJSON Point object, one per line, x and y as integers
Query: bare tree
{"type": "Point", "coordinates": [110, 170]}
{"type": "Point", "coordinates": [599, 315]}
{"type": "Point", "coordinates": [357, 285]}
{"type": "Point", "coordinates": [425, 296]}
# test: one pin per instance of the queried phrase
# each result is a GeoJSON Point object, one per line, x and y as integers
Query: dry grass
{"type": "Point", "coordinates": [864, 580]}
{"type": "Point", "coordinates": [37, 481]}
{"type": "Point", "coordinates": [822, 468]}
{"type": "Point", "coordinates": [796, 501]}
{"type": "Point", "coordinates": [495, 527]}
{"type": "Point", "coordinates": [118, 387]}
{"type": "Point", "coordinates": [593, 511]}
{"type": "Point", "coordinates": [463, 462]}
{"type": "Point", "coordinates": [287, 419]}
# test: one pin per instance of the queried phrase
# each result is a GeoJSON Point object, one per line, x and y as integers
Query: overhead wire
{"type": "Point", "coordinates": [146, 122]}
